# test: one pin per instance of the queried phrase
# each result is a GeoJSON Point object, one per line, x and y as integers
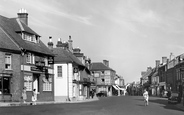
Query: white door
{"type": "Point", "coordinates": [35, 84]}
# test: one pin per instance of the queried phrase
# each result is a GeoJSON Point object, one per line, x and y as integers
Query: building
{"type": "Point", "coordinates": [86, 80]}
{"type": "Point", "coordinates": [70, 74]}
{"type": "Point", "coordinates": [104, 76]}
{"type": "Point", "coordinates": [24, 61]}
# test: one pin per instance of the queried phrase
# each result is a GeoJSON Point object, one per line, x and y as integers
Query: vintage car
{"type": "Point", "coordinates": [174, 98]}
{"type": "Point", "coordinates": [101, 94]}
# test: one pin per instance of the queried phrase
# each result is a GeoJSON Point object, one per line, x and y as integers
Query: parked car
{"type": "Point", "coordinates": [102, 94]}
{"type": "Point", "coordinates": [174, 98]}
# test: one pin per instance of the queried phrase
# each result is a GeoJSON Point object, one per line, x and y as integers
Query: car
{"type": "Point", "coordinates": [101, 94]}
{"type": "Point", "coordinates": [174, 98]}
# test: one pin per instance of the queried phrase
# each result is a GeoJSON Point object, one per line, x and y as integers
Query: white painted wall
{"type": "Point", "coordinates": [60, 83]}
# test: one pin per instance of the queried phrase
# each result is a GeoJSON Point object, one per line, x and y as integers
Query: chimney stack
{"type": "Point", "coordinates": [23, 16]}
{"type": "Point", "coordinates": [106, 62]}
{"type": "Point", "coordinates": [50, 43]}
{"type": "Point", "coordinates": [164, 60]}
{"type": "Point", "coordinates": [157, 63]}
{"type": "Point", "coordinates": [70, 44]}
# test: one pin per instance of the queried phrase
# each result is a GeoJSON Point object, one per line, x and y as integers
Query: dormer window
{"type": "Point", "coordinates": [30, 37]}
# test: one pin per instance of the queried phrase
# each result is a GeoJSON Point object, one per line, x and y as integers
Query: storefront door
{"type": "Point", "coordinates": [36, 82]}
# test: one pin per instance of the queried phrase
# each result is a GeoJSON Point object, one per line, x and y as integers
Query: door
{"type": "Point", "coordinates": [36, 82]}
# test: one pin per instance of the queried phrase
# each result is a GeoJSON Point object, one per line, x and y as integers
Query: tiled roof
{"type": "Point", "coordinates": [147, 74]}
{"type": "Point", "coordinates": [97, 66]}
{"type": "Point", "coordinates": [65, 56]}
{"type": "Point", "coordinates": [20, 26]}
{"type": "Point", "coordinates": [6, 42]}
{"type": "Point", "coordinates": [11, 26]}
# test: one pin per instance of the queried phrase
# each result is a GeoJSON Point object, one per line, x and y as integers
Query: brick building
{"type": "Point", "coordinates": [24, 61]}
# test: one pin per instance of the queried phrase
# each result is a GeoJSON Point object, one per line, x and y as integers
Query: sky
{"type": "Point", "coordinates": [130, 34]}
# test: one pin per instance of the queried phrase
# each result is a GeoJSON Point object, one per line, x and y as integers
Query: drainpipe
{"type": "Point", "coordinates": [68, 82]}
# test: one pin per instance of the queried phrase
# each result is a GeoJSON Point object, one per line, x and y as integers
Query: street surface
{"type": "Point", "coordinates": [123, 105]}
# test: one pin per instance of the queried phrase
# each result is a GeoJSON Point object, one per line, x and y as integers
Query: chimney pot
{"type": "Point", "coordinates": [23, 16]}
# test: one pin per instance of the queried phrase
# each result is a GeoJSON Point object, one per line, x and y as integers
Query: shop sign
{"type": "Point", "coordinates": [40, 63]}
{"type": "Point", "coordinates": [43, 69]}
{"type": "Point", "coordinates": [28, 78]}
{"type": "Point", "coordinates": [51, 60]}
{"type": "Point", "coordinates": [5, 75]}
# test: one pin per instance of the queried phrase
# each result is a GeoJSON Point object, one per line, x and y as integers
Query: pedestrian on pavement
{"type": "Point", "coordinates": [146, 97]}
{"type": "Point", "coordinates": [24, 95]}
{"type": "Point", "coordinates": [34, 97]}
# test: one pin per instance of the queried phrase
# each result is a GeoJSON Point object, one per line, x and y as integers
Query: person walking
{"type": "Point", "coordinates": [24, 95]}
{"type": "Point", "coordinates": [146, 97]}
{"type": "Point", "coordinates": [34, 97]}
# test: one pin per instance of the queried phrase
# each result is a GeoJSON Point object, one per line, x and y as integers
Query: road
{"type": "Point", "coordinates": [123, 105]}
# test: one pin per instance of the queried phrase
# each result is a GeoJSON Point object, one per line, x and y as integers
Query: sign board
{"type": "Point", "coordinates": [51, 60]}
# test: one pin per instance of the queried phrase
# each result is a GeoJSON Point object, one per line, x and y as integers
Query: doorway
{"type": "Point", "coordinates": [36, 82]}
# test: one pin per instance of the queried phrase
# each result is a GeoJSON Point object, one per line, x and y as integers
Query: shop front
{"type": "Point", "coordinates": [40, 79]}
{"type": "Point", "coordinates": [5, 81]}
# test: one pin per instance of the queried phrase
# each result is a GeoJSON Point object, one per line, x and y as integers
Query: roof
{"type": "Point", "coordinates": [147, 74]}
{"type": "Point", "coordinates": [6, 42]}
{"type": "Point", "coordinates": [98, 66]}
{"type": "Point", "coordinates": [11, 26]}
{"type": "Point", "coordinates": [65, 56]}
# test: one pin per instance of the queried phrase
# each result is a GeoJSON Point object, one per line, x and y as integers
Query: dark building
{"type": "Point", "coordinates": [24, 61]}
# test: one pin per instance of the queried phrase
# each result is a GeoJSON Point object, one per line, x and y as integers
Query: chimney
{"type": "Point", "coordinates": [106, 62]}
{"type": "Point", "coordinates": [61, 44]}
{"type": "Point", "coordinates": [50, 43]}
{"type": "Point", "coordinates": [149, 68]}
{"type": "Point", "coordinates": [23, 16]}
{"type": "Point", "coordinates": [76, 50]}
{"type": "Point", "coordinates": [164, 60]}
{"type": "Point", "coordinates": [70, 44]}
{"type": "Point", "coordinates": [157, 62]}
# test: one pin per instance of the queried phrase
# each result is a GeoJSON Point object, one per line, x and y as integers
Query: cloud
{"type": "Point", "coordinates": [45, 8]}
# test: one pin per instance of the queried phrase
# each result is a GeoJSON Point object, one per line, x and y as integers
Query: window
{"type": "Point", "coordinates": [30, 58]}
{"type": "Point", "coordinates": [59, 71]}
{"type": "Point", "coordinates": [7, 61]}
{"type": "Point", "coordinates": [47, 84]}
{"type": "Point", "coordinates": [30, 37]}
{"type": "Point", "coordinates": [28, 82]}
{"type": "Point", "coordinates": [5, 84]}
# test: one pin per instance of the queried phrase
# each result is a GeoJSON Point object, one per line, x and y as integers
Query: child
{"type": "Point", "coordinates": [34, 97]}
{"type": "Point", "coordinates": [146, 97]}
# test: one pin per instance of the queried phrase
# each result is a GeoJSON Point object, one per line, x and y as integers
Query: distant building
{"type": "Point", "coordinates": [104, 76]}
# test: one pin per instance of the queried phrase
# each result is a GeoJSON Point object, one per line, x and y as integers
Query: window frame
{"type": "Point", "coordinates": [10, 60]}
{"type": "Point", "coordinates": [59, 73]}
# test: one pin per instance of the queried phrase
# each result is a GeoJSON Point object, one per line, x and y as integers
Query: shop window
{"type": "Point", "coordinates": [59, 71]}
{"type": "Point", "coordinates": [5, 85]}
{"type": "Point", "coordinates": [47, 84]}
{"type": "Point", "coordinates": [8, 61]}
{"type": "Point", "coordinates": [28, 82]}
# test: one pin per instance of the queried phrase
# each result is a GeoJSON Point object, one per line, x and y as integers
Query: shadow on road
{"type": "Point", "coordinates": [161, 101]}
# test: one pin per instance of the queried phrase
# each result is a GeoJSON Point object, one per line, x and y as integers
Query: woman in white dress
{"type": "Point", "coordinates": [146, 97]}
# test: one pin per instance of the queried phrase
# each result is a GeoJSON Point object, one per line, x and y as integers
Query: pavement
{"type": "Point", "coordinates": [9, 104]}
{"type": "Point", "coordinates": [180, 105]}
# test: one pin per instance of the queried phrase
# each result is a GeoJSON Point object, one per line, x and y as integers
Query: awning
{"type": "Point", "coordinates": [115, 87]}
{"type": "Point", "coordinates": [120, 88]}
